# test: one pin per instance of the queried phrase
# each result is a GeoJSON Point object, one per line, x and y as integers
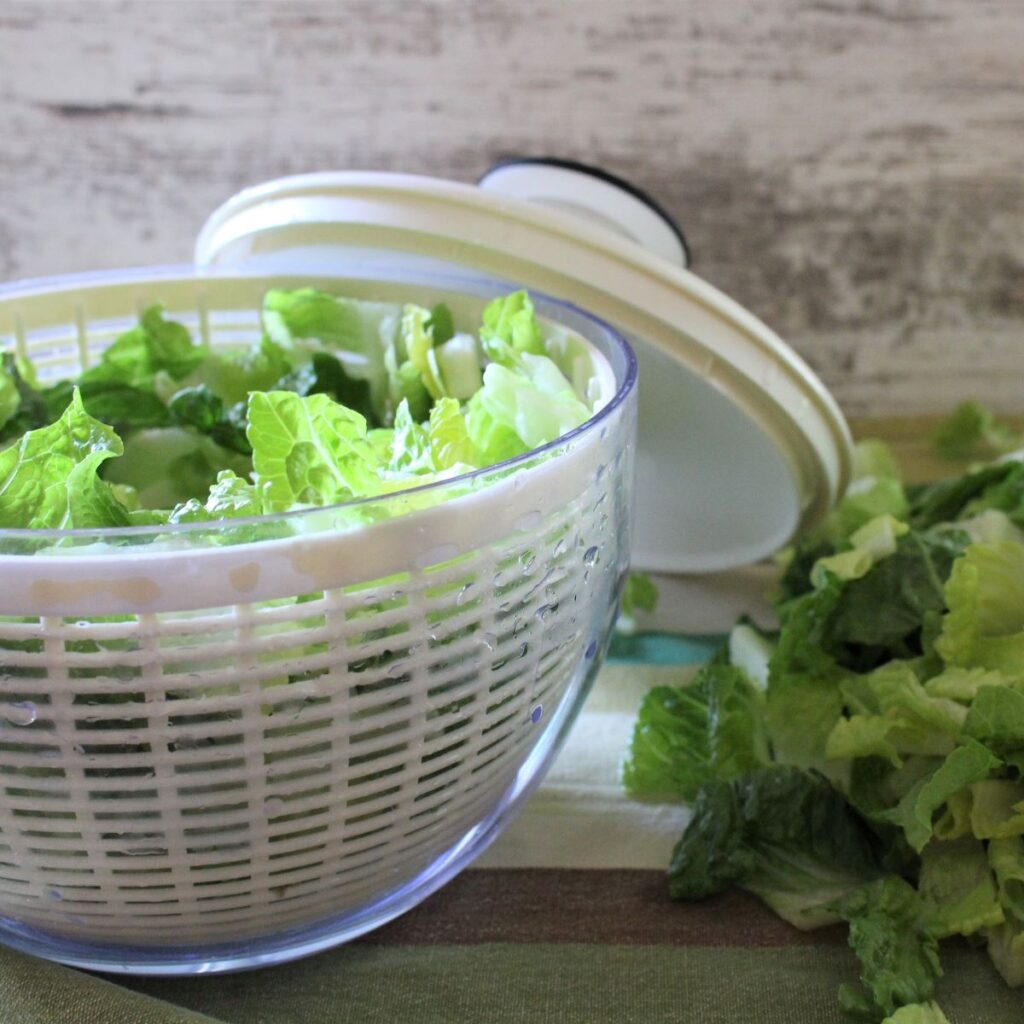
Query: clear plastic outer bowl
{"type": "Point", "coordinates": [221, 750]}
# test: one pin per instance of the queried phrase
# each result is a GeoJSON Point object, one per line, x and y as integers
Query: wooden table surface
{"type": "Point", "coordinates": [849, 169]}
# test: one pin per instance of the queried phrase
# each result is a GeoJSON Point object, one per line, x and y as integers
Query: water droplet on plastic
{"type": "Point", "coordinates": [529, 522]}
{"type": "Point", "coordinates": [273, 806]}
{"type": "Point", "coordinates": [590, 556]}
{"type": "Point", "coordinates": [22, 713]}
{"type": "Point", "coordinates": [537, 713]}
{"type": "Point", "coordinates": [55, 894]}
{"type": "Point", "coordinates": [599, 473]}
{"type": "Point", "coordinates": [437, 555]}
{"type": "Point", "coordinates": [464, 594]}
{"type": "Point", "coordinates": [545, 610]}
{"type": "Point", "coordinates": [487, 640]}
{"type": "Point", "coordinates": [559, 548]}
{"type": "Point", "coordinates": [591, 650]}
{"type": "Point", "coordinates": [78, 748]}
{"type": "Point", "coordinates": [396, 669]}
{"type": "Point", "coordinates": [524, 649]}
{"type": "Point", "coordinates": [527, 561]}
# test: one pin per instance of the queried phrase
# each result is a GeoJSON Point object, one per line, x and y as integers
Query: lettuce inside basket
{"type": "Point", "coordinates": [303, 583]}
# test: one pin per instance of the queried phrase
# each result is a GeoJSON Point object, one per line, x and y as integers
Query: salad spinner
{"type": "Point", "coordinates": [220, 752]}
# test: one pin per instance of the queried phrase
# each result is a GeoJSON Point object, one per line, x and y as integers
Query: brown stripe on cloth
{"type": "Point", "coordinates": [606, 907]}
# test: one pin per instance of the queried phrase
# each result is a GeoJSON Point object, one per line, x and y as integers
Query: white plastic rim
{"type": "Point", "coordinates": [595, 195]}
{"type": "Point", "coordinates": [741, 447]}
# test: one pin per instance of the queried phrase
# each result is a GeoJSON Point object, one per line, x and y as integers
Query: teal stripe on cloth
{"type": "Point", "coordinates": [663, 648]}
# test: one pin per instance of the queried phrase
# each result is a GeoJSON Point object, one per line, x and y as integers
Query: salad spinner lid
{"type": "Point", "coordinates": [740, 447]}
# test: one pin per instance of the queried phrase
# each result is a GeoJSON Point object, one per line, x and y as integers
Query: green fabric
{"type": "Point", "coordinates": [496, 983]}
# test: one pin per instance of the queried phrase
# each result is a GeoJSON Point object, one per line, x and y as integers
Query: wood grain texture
{"type": "Point", "coordinates": [851, 171]}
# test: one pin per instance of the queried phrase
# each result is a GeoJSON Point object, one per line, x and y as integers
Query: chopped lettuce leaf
{"type": "Point", "coordinates": [168, 465]}
{"type": "Point", "coordinates": [155, 344]}
{"type": "Point", "coordinates": [972, 432]}
{"type": "Point", "coordinates": [230, 497]}
{"type": "Point", "coordinates": [458, 360]}
{"type": "Point", "coordinates": [200, 408]}
{"type": "Point", "coordinates": [967, 764]}
{"type": "Point", "coordinates": [419, 344]}
{"type": "Point", "coordinates": [410, 445]}
{"type": "Point", "coordinates": [996, 718]}
{"type": "Point", "coordinates": [538, 405]}
{"type": "Point", "coordinates": [958, 888]}
{"type": "Point", "coordinates": [783, 834]}
{"type": "Point", "coordinates": [308, 451]}
{"type": "Point", "coordinates": [10, 399]}
{"type": "Point", "coordinates": [891, 935]}
{"type": "Point", "coordinates": [804, 700]}
{"type": "Point", "coordinates": [441, 324]}
{"type": "Point", "coordinates": [495, 441]}
{"type": "Point", "coordinates": [918, 1013]}
{"type": "Point", "coordinates": [687, 736]}
{"type": "Point", "coordinates": [1006, 948]}
{"type": "Point", "coordinates": [509, 328]}
{"type": "Point", "coordinates": [49, 479]}
{"type": "Point", "coordinates": [985, 596]}
{"type": "Point", "coordinates": [120, 405]}
{"type": "Point", "coordinates": [450, 443]}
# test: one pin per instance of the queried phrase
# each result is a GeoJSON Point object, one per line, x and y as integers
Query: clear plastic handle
{"type": "Point", "coordinates": [595, 195]}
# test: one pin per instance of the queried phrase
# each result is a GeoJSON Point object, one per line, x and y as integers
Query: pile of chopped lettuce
{"type": "Point", "coordinates": [340, 399]}
{"type": "Point", "coordinates": [865, 761]}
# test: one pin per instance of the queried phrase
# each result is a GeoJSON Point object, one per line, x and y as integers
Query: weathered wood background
{"type": "Point", "coordinates": [852, 171]}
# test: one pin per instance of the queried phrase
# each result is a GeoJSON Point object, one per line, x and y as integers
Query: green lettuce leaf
{"type": "Point", "coordinates": [155, 344]}
{"type": "Point", "coordinates": [31, 409]}
{"type": "Point", "coordinates": [890, 934]}
{"type": "Point", "coordinates": [996, 718]}
{"type": "Point", "coordinates": [997, 808]}
{"type": "Point", "coordinates": [49, 479]}
{"type": "Point", "coordinates": [410, 444]}
{"type": "Point", "coordinates": [1006, 948]}
{"type": "Point", "coordinates": [168, 465]}
{"type": "Point", "coordinates": [972, 432]}
{"type": "Point", "coordinates": [958, 888]}
{"type": "Point", "coordinates": [308, 451]}
{"type": "Point", "coordinates": [324, 374]}
{"type": "Point", "coordinates": [918, 1013]}
{"type": "Point", "coordinates": [686, 736]}
{"type": "Point", "coordinates": [450, 443]}
{"type": "Point", "coordinates": [804, 700]}
{"type": "Point", "coordinates": [419, 344]}
{"type": "Point", "coordinates": [510, 327]}
{"type": "Point", "coordinates": [885, 609]}
{"type": "Point", "coordinates": [231, 497]}
{"type": "Point", "coordinates": [985, 596]}
{"type": "Point", "coordinates": [358, 333]}
{"type": "Point", "coordinates": [946, 500]}
{"type": "Point", "coordinates": [966, 765]}
{"type": "Point", "coordinates": [10, 399]}
{"type": "Point", "coordinates": [537, 402]}
{"type": "Point", "coordinates": [441, 324]}
{"type": "Point", "coordinates": [203, 410]}
{"type": "Point", "coordinates": [495, 441]}
{"type": "Point", "coordinates": [1006, 857]}
{"type": "Point", "coordinates": [231, 375]}
{"type": "Point", "coordinates": [783, 834]}
{"type": "Point", "coordinates": [110, 401]}
{"type": "Point", "coordinates": [639, 594]}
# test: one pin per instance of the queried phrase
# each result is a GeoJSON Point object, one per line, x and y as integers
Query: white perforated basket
{"type": "Point", "coordinates": [218, 752]}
